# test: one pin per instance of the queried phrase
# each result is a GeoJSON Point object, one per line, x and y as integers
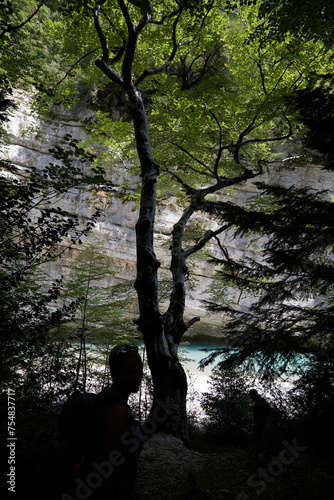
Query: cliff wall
{"type": "Point", "coordinates": [30, 140]}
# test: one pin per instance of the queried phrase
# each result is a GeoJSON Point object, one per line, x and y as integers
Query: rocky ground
{"type": "Point", "coordinates": [170, 471]}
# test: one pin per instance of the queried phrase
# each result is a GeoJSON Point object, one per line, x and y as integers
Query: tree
{"type": "Point", "coordinates": [35, 231]}
{"type": "Point", "coordinates": [22, 54]}
{"type": "Point", "coordinates": [227, 407]}
{"type": "Point", "coordinates": [307, 19]}
{"type": "Point", "coordinates": [237, 112]}
{"type": "Point", "coordinates": [100, 320]}
{"type": "Point", "coordinates": [207, 74]}
{"type": "Point", "coordinates": [285, 334]}
{"type": "Point", "coordinates": [292, 282]}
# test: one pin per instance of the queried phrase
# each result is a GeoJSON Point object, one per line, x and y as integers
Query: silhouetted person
{"type": "Point", "coordinates": [261, 411]}
{"type": "Point", "coordinates": [121, 441]}
{"type": "Point", "coordinates": [114, 441]}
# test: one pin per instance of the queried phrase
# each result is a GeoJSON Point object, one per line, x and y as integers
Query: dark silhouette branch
{"type": "Point", "coordinates": [126, 16]}
{"type": "Point", "coordinates": [161, 68]}
{"type": "Point", "coordinates": [207, 237]}
{"type": "Point", "coordinates": [221, 148]}
{"type": "Point", "coordinates": [272, 139]}
{"type": "Point", "coordinates": [192, 156]}
{"type": "Point", "coordinates": [103, 40]}
{"type": "Point", "coordinates": [192, 321]}
{"type": "Point", "coordinates": [239, 142]}
{"type": "Point", "coordinates": [103, 62]}
{"type": "Point", "coordinates": [19, 26]}
{"type": "Point", "coordinates": [105, 68]}
{"type": "Point", "coordinates": [167, 16]}
{"type": "Point", "coordinates": [188, 189]}
{"type": "Point", "coordinates": [119, 54]}
{"type": "Point", "coordinates": [75, 64]}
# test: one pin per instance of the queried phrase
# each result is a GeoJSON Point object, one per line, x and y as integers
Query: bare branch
{"type": "Point", "coordinates": [239, 142]}
{"type": "Point", "coordinates": [126, 16]}
{"type": "Point", "coordinates": [193, 320]}
{"type": "Point", "coordinates": [281, 77]}
{"type": "Point", "coordinates": [167, 16]}
{"type": "Point", "coordinates": [247, 174]}
{"type": "Point", "coordinates": [222, 249]}
{"type": "Point", "coordinates": [176, 45]}
{"type": "Point", "coordinates": [188, 189]}
{"type": "Point", "coordinates": [119, 54]}
{"type": "Point", "coordinates": [272, 139]}
{"type": "Point", "coordinates": [133, 33]}
{"type": "Point", "coordinates": [103, 62]}
{"type": "Point", "coordinates": [259, 64]}
{"type": "Point", "coordinates": [197, 171]}
{"type": "Point", "coordinates": [112, 75]}
{"type": "Point", "coordinates": [220, 150]}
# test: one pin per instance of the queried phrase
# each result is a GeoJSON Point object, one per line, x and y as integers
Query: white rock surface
{"type": "Point", "coordinates": [30, 140]}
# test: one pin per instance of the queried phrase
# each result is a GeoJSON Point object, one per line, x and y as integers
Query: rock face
{"type": "Point", "coordinates": [30, 140]}
{"type": "Point", "coordinates": [167, 470]}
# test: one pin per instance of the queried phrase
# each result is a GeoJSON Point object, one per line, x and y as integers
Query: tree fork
{"type": "Point", "coordinates": [159, 332]}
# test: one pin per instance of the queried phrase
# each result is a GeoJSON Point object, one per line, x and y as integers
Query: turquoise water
{"type": "Point", "coordinates": [191, 354]}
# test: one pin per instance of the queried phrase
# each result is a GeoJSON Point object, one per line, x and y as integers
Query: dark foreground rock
{"type": "Point", "coordinates": [170, 471]}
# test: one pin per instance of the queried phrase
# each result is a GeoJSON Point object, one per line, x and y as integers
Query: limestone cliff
{"type": "Point", "coordinates": [30, 140]}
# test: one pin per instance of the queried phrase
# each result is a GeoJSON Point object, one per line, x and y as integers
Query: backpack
{"type": "Point", "coordinates": [79, 421]}
{"type": "Point", "coordinates": [73, 444]}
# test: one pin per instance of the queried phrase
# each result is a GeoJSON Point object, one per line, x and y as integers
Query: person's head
{"type": "Point", "coordinates": [126, 367]}
{"type": "Point", "coordinates": [254, 395]}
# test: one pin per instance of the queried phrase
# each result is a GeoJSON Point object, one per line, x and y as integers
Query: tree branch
{"type": "Point", "coordinates": [188, 189]}
{"type": "Point", "coordinates": [14, 28]}
{"type": "Point", "coordinates": [239, 142]}
{"type": "Point", "coordinates": [74, 65]}
{"type": "Point", "coordinates": [119, 54]}
{"type": "Point", "coordinates": [126, 16]}
{"type": "Point", "coordinates": [197, 171]}
{"type": "Point", "coordinates": [220, 150]}
{"type": "Point", "coordinates": [259, 64]}
{"type": "Point", "coordinates": [155, 71]}
{"type": "Point", "coordinates": [103, 40]}
{"type": "Point", "coordinates": [112, 75]}
{"type": "Point", "coordinates": [189, 323]}
{"type": "Point", "coordinates": [272, 139]}
{"type": "Point", "coordinates": [103, 62]}
{"type": "Point", "coordinates": [192, 156]}
{"type": "Point", "coordinates": [207, 236]}
{"type": "Point", "coordinates": [167, 16]}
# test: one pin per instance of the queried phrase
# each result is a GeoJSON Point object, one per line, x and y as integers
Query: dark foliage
{"type": "Point", "coordinates": [227, 407]}
{"type": "Point", "coordinates": [303, 18]}
{"type": "Point", "coordinates": [35, 230]}
{"type": "Point", "coordinates": [289, 321]}
{"type": "Point", "coordinates": [315, 106]}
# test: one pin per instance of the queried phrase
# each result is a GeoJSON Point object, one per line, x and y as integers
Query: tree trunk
{"type": "Point", "coordinates": [168, 413]}
{"type": "Point", "coordinates": [169, 379]}
{"type": "Point", "coordinates": [161, 333]}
